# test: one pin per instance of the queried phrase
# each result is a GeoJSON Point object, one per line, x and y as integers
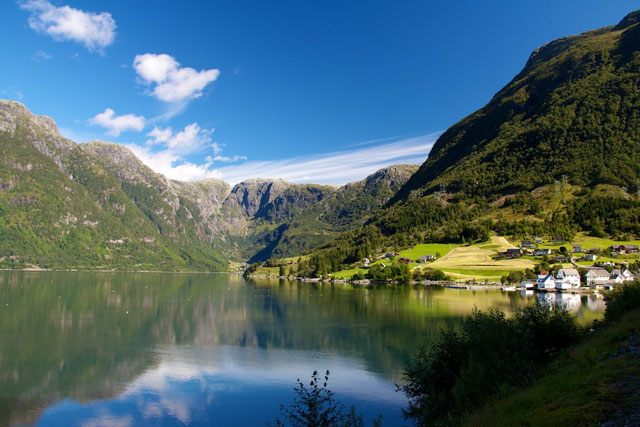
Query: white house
{"type": "Point", "coordinates": [589, 257]}
{"type": "Point", "coordinates": [615, 279]}
{"type": "Point", "coordinates": [563, 285]}
{"type": "Point", "coordinates": [626, 275]}
{"type": "Point", "coordinates": [546, 281]}
{"type": "Point", "coordinates": [528, 284]}
{"type": "Point", "coordinates": [569, 276]}
{"type": "Point", "coordinates": [597, 276]}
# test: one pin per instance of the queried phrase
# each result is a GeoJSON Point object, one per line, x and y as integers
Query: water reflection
{"type": "Point", "coordinates": [183, 348]}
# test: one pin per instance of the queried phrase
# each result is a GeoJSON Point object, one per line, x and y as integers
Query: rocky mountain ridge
{"type": "Point", "coordinates": [189, 225]}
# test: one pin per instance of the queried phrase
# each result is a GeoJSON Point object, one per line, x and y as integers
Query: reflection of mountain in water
{"type": "Point", "coordinates": [87, 335]}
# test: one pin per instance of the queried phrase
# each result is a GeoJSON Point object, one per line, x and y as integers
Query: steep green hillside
{"type": "Point", "coordinates": [60, 208]}
{"type": "Point", "coordinates": [573, 110]}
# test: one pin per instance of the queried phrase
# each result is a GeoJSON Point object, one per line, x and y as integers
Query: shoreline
{"type": "Point", "coordinates": [451, 284]}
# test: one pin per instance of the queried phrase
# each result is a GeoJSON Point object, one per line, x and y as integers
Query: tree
{"type": "Point", "coordinates": [316, 406]}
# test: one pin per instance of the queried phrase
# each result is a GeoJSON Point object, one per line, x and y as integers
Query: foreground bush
{"type": "Point", "coordinates": [489, 354]}
{"type": "Point", "coordinates": [623, 298]}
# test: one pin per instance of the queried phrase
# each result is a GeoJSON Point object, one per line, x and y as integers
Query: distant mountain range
{"type": "Point", "coordinates": [571, 116]}
{"type": "Point", "coordinates": [97, 206]}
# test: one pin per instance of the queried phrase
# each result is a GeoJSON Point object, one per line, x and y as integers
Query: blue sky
{"type": "Point", "coordinates": [307, 91]}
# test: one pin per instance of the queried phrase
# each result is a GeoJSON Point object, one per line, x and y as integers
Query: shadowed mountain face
{"type": "Point", "coordinates": [97, 206]}
{"type": "Point", "coordinates": [572, 111]}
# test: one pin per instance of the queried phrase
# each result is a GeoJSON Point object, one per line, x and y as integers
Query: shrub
{"type": "Point", "coordinates": [622, 299]}
{"type": "Point", "coordinates": [490, 353]}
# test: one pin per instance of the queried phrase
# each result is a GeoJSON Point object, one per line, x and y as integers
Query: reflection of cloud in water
{"type": "Point", "coordinates": [248, 365]}
{"type": "Point", "coordinates": [106, 419]}
{"type": "Point", "coordinates": [186, 384]}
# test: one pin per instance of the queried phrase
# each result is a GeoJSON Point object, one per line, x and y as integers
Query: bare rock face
{"type": "Point", "coordinates": [122, 162]}
{"type": "Point", "coordinates": [248, 197]}
{"type": "Point", "coordinates": [41, 131]}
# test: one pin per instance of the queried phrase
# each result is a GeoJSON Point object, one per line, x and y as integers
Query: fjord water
{"type": "Point", "coordinates": [213, 349]}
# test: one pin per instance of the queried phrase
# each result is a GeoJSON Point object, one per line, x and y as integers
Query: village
{"type": "Point", "coordinates": [576, 270]}
{"type": "Point", "coordinates": [599, 276]}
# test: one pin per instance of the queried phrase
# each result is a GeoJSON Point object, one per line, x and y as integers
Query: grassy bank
{"type": "Point", "coordinates": [597, 381]}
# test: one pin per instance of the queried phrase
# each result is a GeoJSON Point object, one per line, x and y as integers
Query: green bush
{"type": "Point", "coordinates": [489, 354]}
{"type": "Point", "coordinates": [623, 298]}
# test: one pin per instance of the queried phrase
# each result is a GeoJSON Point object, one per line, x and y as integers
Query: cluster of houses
{"type": "Point", "coordinates": [569, 279]}
{"type": "Point", "coordinates": [528, 247]}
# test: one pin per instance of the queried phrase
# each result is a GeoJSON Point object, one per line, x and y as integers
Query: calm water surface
{"type": "Point", "coordinates": [91, 349]}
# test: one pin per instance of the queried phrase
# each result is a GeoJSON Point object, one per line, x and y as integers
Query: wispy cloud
{"type": "Point", "coordinates": [94, 30]}
{"type": "Point", "coordinates": [334, 168]}
{"type": "Point", "coordinates": [41, 55]}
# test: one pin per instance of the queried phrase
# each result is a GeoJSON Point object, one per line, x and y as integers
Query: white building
{"type": "Point", "coordinates": [528, 284]}
{"type": "Point", "coordinates": [597, 276]}
{"type": "Point", "coordinates": [546, 281]}
{"type": "Point", "coordinates": [625, 275]}
{"type": "Point", "coordinates": [569, 277]}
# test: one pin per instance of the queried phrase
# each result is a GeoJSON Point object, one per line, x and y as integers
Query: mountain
{"type": "Point", "coordinates": [97, 206]}
{"type": "Point", "coordinates": [62, 207]}
{"type": "Point", "coordinates": [555, 152]}
{"type": "Point", "coordinates": [572, 111]}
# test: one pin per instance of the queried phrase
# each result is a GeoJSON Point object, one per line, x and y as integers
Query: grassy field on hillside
{"type": "Point", "coordinates": [473, 262]}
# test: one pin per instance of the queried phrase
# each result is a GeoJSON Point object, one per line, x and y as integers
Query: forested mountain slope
{"type": "Point", "coordinates": [574, 110]}
{"type": "Point", "coordinates": [556, 152]}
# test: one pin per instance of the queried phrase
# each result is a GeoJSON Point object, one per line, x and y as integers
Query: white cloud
{"type": "Point", "coordinates": [171, 82]}
{"type": "Point", "coordinates": [171, 164]}
{"type": "Point", "coordinates": [94, 30]}
{"type": "Point", "coordinates": [160, 135]}
{"type": "Point", "coordinates": [335, 168]}
{"type": "Point", "coordinates": [189, 140]}
{"type": "Point", "coordinates": [217, 148]}
{"type": "Point", "coordinates": [166, 150]}
{"type": "Point", "coordinates": [227, 159]}
{"type": "Point", "coordinates": [117, 124]}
